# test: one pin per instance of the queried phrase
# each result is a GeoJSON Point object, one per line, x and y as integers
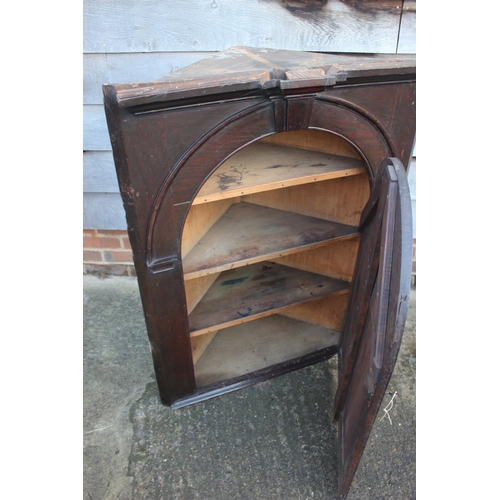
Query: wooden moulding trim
{"type": "Point", "coordinates": [137, 94]}
{"type": "Point", "coordinates": [162, 265]}
{"type": "Point", "coordinates": [181, 162]}
{"type": "Point", "coordinates": [249, 379]}
{"type": "Point", "coordinates": [332, 101]}
{"type": "Point", "coordinates": [335, 101]}
{"type": "Point", "coordinates": [155, 93]}
{"type": "Point", "coordinates": [129, 95]}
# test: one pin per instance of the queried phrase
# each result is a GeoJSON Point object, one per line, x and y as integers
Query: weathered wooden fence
{"type": "Point", "coordinates": [130, 40]}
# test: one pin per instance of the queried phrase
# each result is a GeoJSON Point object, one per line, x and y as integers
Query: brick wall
{"type": "Point", "coordinates": [108, 252]}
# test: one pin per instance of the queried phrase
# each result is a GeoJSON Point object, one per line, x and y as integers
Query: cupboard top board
{"type": "Point", "coordinates": [262, 70]}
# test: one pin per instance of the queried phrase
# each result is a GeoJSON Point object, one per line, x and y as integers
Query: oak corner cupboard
{"type": "Point", "coordinates": [269, 215]}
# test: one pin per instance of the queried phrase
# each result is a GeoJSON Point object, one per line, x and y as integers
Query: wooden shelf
{"type": "Point", "coordinates": [248, 233]}
{"type": "Point", "coordinates": [269, 234]}
{"type": "Point", "coordinates": [255, 291]}
{"type": "Point", "coordinates": [263, 167]}
{"type": "Point", "coordinates": [249, 347]}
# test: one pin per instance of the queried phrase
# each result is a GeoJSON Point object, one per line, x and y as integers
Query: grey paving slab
{"type": "Point", "coordinates": [275, 440]}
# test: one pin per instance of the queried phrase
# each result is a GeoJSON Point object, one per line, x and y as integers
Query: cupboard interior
{"type": "Point", "coordinates": [268, 253]}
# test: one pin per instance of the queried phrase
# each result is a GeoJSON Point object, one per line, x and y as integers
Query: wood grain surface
{"type": "Point", "coordinates": [249, 233]}
{"type": "Point", "coordinates": [256, 291]}
{"type": "Point", "coordinates": [264, 167]}
{"type": "Point", "coordinates": [199, 25]}
{"type": "Point", "coordinates": [249, 347]}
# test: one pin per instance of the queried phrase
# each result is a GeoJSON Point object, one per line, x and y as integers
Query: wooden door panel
{"type": "Point", "coordinates": [376, 314]}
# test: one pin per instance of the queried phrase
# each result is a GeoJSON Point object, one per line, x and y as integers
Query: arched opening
{"type": "Point", "coordinates": [268, 252]}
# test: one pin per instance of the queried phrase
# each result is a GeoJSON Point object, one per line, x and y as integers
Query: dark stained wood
{"type": "Point", "coordinates": [395, 122]}
{"type": "Point", "coordinates": [368, 348]}
{"type": "Point", "coordinates": [163, 331]}
{"type": "Point", "coordinates": [170, 136]}
{"type": "Point", "coordinates": [362, 287]}
{"type": "Point", "coordinates": [218, 144]}
{"type": "Point", "coordinates": [274, 69]}
{"type": "Point", "coordinates": [331, 113]}
{"type": "Point", "coordinates": [249, 233]}
{"type": "Point", "coordinates": [249, 379]}
{"type": "Point", "coordinates": [256, 291]}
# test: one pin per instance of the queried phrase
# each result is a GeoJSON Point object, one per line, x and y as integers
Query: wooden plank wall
{"type": "Point", "coordinates": [127, 41]}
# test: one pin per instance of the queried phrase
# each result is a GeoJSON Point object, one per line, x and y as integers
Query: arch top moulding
{"type": "Point", "coordinates": [241, 129]}
{"type": "Point", "coordinates": [203, 111]}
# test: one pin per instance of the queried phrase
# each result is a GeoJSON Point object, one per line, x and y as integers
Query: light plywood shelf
{"type": "Point", "coordinates": [268, 251]}
{"type": "Point", "coordinates": [256, 291]}
{"type": "Point", "coordinates": [248, 233]}
{"type": "Point", "coordinates": [262, 167]}
{"type": "Point", "coordinates": [249, 347]}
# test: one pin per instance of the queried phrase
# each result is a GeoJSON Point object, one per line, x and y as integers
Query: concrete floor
{"type": "Point", "coordinates": [275, 440]}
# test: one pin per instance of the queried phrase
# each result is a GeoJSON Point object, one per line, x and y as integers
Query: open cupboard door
{"type": "Point", "coordinates": [375, 316]}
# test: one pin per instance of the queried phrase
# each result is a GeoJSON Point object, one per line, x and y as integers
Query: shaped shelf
{"type": "Point", "coordinates": [249, 347]}
{"type": "Point", "coordinates": [256, 291]}
{"type": "Point", "coordinates": [248, 233]}
{"type": "Point", "coordinates": [263, 167]}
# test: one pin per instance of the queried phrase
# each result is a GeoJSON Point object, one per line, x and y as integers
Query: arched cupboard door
{"type": "Point", "coordinates": [375, 316]}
